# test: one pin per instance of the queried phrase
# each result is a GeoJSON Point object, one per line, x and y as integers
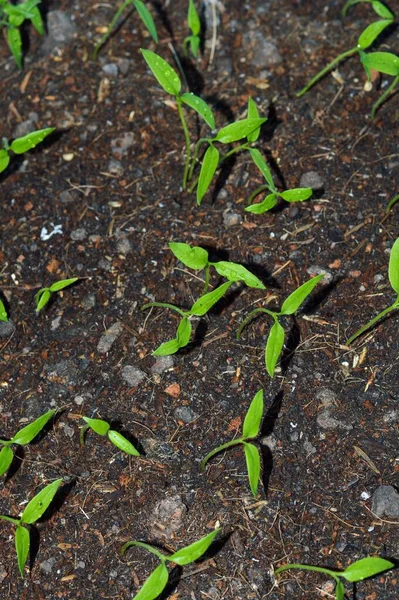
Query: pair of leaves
{"type": "Point", "coordinates": [44, 294]}
{"type": "Point", "coordinates": [23, 437]}
{"type": "Point", "coordinates": [103, 428]}
{"type": "Point", "coordinates": [156, 582]}
{"type": "Point", "coordinates": [193, 41]}
{"type": "Point", "coordinates": [22, 145]}
{"type": "Point", "coordinates": [17, 14]}
{"type": "Point", "coordinates": [250, 430]}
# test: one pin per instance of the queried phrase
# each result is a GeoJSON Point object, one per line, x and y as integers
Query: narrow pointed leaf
{"type": "Point", "coordinates": [339, 590]}
{"type": "Point", "coordinates": [22, 543]}
{"type": "Point", "coordinates": [194, 551]}
{"type": "Point", "coordinates": [264, 206]}
{"type": "Point", "coordinates": [167, 348]}
{"type": "Point", "coordinates": [30, 140]}
{"type": "Point", "coordinates": [3, 312]}
{"type": "Point", "coordinates": [205, 303]}
{"type": "Point", "coordinates": [4, 159]}
{"type": "Point", "coordinates": [274, 345]}
{"type": "Point", "coordinates": [296, 194]}
{"type": "Point", "coordinates": [147, 19]}
{"type": "Point", "coordinates": [193, 19]}
{"type": "Point", "coordinates": [37, 21]}
{"type": "Point", "coordinates": [42, 298]}
{"type": "Point", "coordinates": [193, 257]}
{"type": "Point", "coordinates": [294, 300]}
{"type": "Point", "coordinates": [200, 106]}
{"type": "Point", "coordinates": [208, 168]}
{"type": "Point", "coordinates": [163, 72]}
{"type": "Point", "coordinates": [6, 456]}
{"type": "Point", "coordinates": [60, 285]}
{"type": "Point", "coordinates": [384, 62]}
{"type": "Point", "coordinates": [263, 167]}
{"type": "Point", "coordinates": [184, 332]}
{"type": "Point", "coordinates": [371, 33]}
{"type": "Point", "coordinates": [97, 425]}
{"type": "Point", "coordinates": [366, 567]}
{"type": "Point", "coordinates": [234, 272]}
{"type": "Point", "coordinates": [40, 503]}
{"type": "Point", "coordinates": [382, 10]}
{"type": "Point", "coordinates": [122, 443]}
{"type": "Point", "coordinates": [237, 131]}
{"type": "Point", "coordinates": [253, 466]}
{"type": "Point", "coordinates": [28, 433]}
{"type": "Point", "coordinates": [253, 113]}
{"type": "Point", "coordinates": [15, 44]}
{"type": "Point", "coordinates": [393, 269]}
{"type": "Point", "coordinates": [253, 418]}
{"type": "Point", "coordinates": [154, 584]}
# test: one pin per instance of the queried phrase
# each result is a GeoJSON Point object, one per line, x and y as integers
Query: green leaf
{"type": "Point", "coordinates": [37, 21]}
{"type": "Point", "coordinates": [166, 76]}
{"type": "Point", "coordinates": [274, 345]}
{"type": "Point", "coordinates": [262, 207]}
{"type": "Point", "coordinates": [40, 503]}
{"type": "Point", "coordinates": [339, 590]}
{"type": "Point", "coordinates": [147, 19]}
{"type": "Point", "coordinates": [193, 257]}
{"type": "Point", "coordinates": [234, 272]}
{"type": "Point", "coordinates": [205, 303]}
{"type": "Point", "coordinates": [167, 348]}
{"type": "Point", "coordinates": [122, 443]}
{"type": "Point", "coordinates": [382, 10]}
{"type": "Point", "coordinates": [28, 433]}
{"type": "Point", "coordinates": [60, 285]}
{"type": "Point", "coordinates": [22, 543]}
{"type": "Point", "coordinates": [294, 300]}
{"type": "Point", "coordinates": [3, 312]}
{"type": "Point", "coordinates": [200, 106]}
{"type": "Point", "coordinates": [30, 140]}
{"type": "Point", "coordinates": [391, 203]}
{"type": "Point", "coordinates": [366, 567]}
{"type": "Point", "coordinates": [97, 425]}
{"type": "Point", "coordinates": [253, 418]}
{"type": "Point", "coordinates": [42, 297]}
{"type": "Point", "coordinates": [384, 62]}
{"type": "Point", "coordinates": [6, 457]}
{"type": "Point", "coordinates": [253, 466]}
{"type": "Point", "coordinates": [194, 551]}
{"type": "Point", "coordinates": [154, 584]}
{"type": "Point", "coordinates": [194, 42]}
{"type": "Point", "coordinates": [218, 449]}
{"type": "Point", "coordinates": [208, 168]}
{"type": "Point", "coordinates": [15, 44]}
{"type": "Point", "coordinates": [253, 113]}
{"type": "Point", "coordinates": [263, 167]}
{"type": "Point", "coordinates": [184, 332]}
{"type": "Point", "coordinates": [296, 194]}
{"type": "Point", "coordinates": [237, 131]}
{"type": "Point", "coordinates": [193, 19]}
{"type": "Point", "coordinates": [4, 159]}
{"type": "Point", "coordinates": [371, 33]}
{"type": "Point", "coordinates": [393, 269]}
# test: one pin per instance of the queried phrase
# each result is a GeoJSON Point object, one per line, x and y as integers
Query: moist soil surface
{"type": "Point", "coordinates": [100, 200]}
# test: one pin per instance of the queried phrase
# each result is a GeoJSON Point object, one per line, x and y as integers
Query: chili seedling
{"type": "Point", "coordinates": [393, 276]}
{"type": "Point", "coordinates": [275, 340]}
{"type": "Point", "coordinates": [357, 571]}
{"type": "Point", "coordinates": [3, 312]}
{"type": "Point", "coordinates": [103, 428]}
{"type": "Point", "coordinates": [192, 42]}
{"type": "Point", "coordinates": [32, 513]}
{"type": "Point", "coordinates": [386, 63]}
{"type": "Point", "coordinates": [250, 431]}
{"type": "Point", "coordinates": [44, 294]}
{"type": "Point", "coordinates": [22, 145]}
{"type": "Point", "coordinates": [156, 582]}
{"type": "Point", "coordinates": [12, 17]}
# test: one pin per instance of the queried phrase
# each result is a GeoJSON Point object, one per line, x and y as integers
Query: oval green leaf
{"type": "Point", "coordinates": [263, 167]}
{"type": "Point", "coordinates": [296, 194]}
{"type": "Point", "coordinates": [234, 272]}
{"type": "Point", "coordinates": [208, 168]}
{"type": "Point", "coordinates": [193, 19]}
{"type": "Point", "coordinates": [163, 72]}
{"type": "Point", "coordinates": [193, 257]}
{"type": "Point", "coordinates": [237, 131]}
{"type": "Point", "coordinates": [384, 62]}
{"type": "Point", "coordinates": [14, 41]}
{"type": "Point", "coordinates": [205, 303]}
{"type": "Point", "coordinates": [253, 418]}
{"type": "Point", "coordinates": [42, 297]}
{"type": "Point", "coordinates": [147, 19]}
{"type": "Point", "coordinates": [22, 543]}
{"type": "Point", "coordinates": [184, 332]}
{"type": "Point", "coordinates": [122, 443]}
{"type": "Point", "coordinates": [97, 425]}
{"type": "Point", "coordinates": [253, 113]}
{"type": "Point", "coordinates": [60, 285]}
{"type": "Point", "coordinates": [274, 345]}
{"type": "Point", "coordinates": [167, 348]}
{"type": "Point", "coordinates": [262, 207]}
{"type": "Point", "coordinates": [371, 33]}
{"type": "Point", "coordinates": [40, 503]}
{"type": "Point", "coordinates": [194, 551]}
{"type": "Point", "coordinates": [154, 584]}
{"type": "Point", "coordinates": [28, 433]}
{"type": "Point", "coordinates": [339, 590]}
{"type": "Point", "coordinates": [30, 140]}
{"type": "Point", "coordinates": [37, 21]}
{"type": "Point", "coordinates": [4, 159]}
{"type": "Point", "coordinates": [294, 300]}
{"type": "Point", "coordinates": [393, 269]}
{"type": "Point", "coordinates": [200, 106]}
{"type": "Point", "coordinates": [253, 466]}
{"type": "Point", "coordinates": [6, 456]}
{"type": "Point", "coordinates": [366, 567]}
{"type": "Point", "coordinates": [3, 312]}
{"type": "Point", "coordinates": [382, 10]}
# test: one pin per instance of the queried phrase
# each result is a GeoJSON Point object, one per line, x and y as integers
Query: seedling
{"type": "Point", "coordinates": [3, 312]}
{"type": "Point", "coordinates": [144, 15]}
{"type": "Point", "coordinates": [365, 40]}
{"type": "Point", "coordinates": [44, 294]}
{"type": "Point", "coordinates": [12, 16]}
{"type": "Point", "coordinates": [275, 341]}
{"type": "Point", "coordinates": [22, 144]}
{"type": "Point", "coordinates": [32, 513]}
{"type": "Point", "coordinates": [103, 428]}
{"type": "Point", "coordinates": [294, 195]}
{"type": "Point", "coordinates": [393, 276]}
{"type": "Point", "coordinates": [250, 431]}
{"type": "Point", "coordinates": [383, 62]}
{"type": "Point", "coordinates": [23, 437]}
{"type": "Point", "coordinates": [156, 582]}
{"type": "Point", "coordinates": [197, 258]}
{"type": "Point", "coordinates": [391, 203]}
{"type": "Point", "coordinates": [357, 571]}
{"type": "Point", "coordinates": [192, 42]}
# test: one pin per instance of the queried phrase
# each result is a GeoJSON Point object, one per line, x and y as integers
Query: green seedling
{"type": "Point", "coordinates": [365, 40]}
{"type": "Point", "coordinates": [392, 203]}
{"type": "Point", "coordinates": [44, 294]}
{"type": "Point", "coordinates": [197, 258]}
{"type": "Point", "coordinates": [247, 129]}
{"type": "Point", "coordinates": [294, 195]}
{"type": "Point", "coordinates": [357, 571]}
{"type": "Point", "coordinates": [12, 17]}
{"type": "Point", "coordinates": [192, 42]}
{"type": "Point", "coordinates": [383, 62]}
{"type": "Point", "coordinates": [22, 145]}
{"type": "Point", "coordinates": [3, 312]}
{"type": "Point", "coordinates": [103, 428]}
{"type": "Point", "coordinates": [144, 14]}
{"type": "Point", "coordinates": [23, 437]}
{"type": "Point", "coordinates": [250, 431]}
{"type": "Point", "coordinates": [393, 276]}
{"type": "Point", "coordinates": [275, 340]}
{"type": "Point", "coordinates": [156, 582]}
{"type": "Point", "coordinates": [32, 513]}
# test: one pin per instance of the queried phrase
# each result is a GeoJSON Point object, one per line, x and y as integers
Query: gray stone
{"type": "Point", "coordinates": [121, 144]}
{"type": "Point", "coordinates": [7, 328]}
{"type": "Point", "coordinates": [185, 414]}
{"type": "Point", "coordinates": [230, 219]}
{"type": "Point", "coordinates": [162, 363]}
{"type": "Point", "coordinates": [391, 417]}
{"type": "Point", "coordinates": [115, 167]}
{"type": "Point", "coordinates": [67, 196]}
{"type": "Point", "coordinates": [264, 52]}
{"type": "Point", "coordinates": [109, 337]}
{"type": "Point", "coordinates": [123, 246]}
{"type": "Point", "coordinates": [64, 372]}
{"type": "Point", "coordinates": [326, 397]}
{"type": "Point", "coordinates": [270, 441]}
{"type": "Point", "coordinates": [317, 270]}
{"type": "Point", "coordinates": [386, 502]}
{"type": "Point", "coordinates": [168, 517]}
{"type": "Point", "coordinates": [48, 565]}
{"type": "Point", "coordinates": [77, 235]}
{"type": "Point", "coordinates": [26, 127]}
{"type": "Point", "coordinates": [159, 450]}
{"type": "Point", "coordinates": [132, 375]}
{"type": "Point", "coordinates": [312, 179]}
{"type": "Point", "coordinates": [111, 69]}
{"type": "Point", "coordinates": [89, 301]}
{"type": "Point", "coordinates": [60, 31]}
{"type": "Point", "coordinates": [326, 421]}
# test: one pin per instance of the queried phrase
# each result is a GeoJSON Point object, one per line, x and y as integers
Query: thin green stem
{"type": "Point", "coordinates": [234, 151]}
{"type": "Point", "coordinates": [147, 547]}
{"type": "Point", "coordinates": [10, 519]}
{"type": "Point", "coordinates": [333, 574]}
{"type": "Point", "coordinates": [207, 278]}
{"type": "Point", "coordinates": [220, 449]}
{"type": "Point", "coordinates": [165, 305]}
{"type": "Point", "coordinates": [371, 323]}
{"type": "Point", "coordinates": [258, 191]}
{"type": "Point", "coordinates": [195, 157]}
{"type": "Point", "coordinates": [384, 96]}
{"type": "Point", "coordinates": [326, 70]}
{"type": "Point", "coordinates": [187, 141]}
{"type": "Point", "coordinates": [249, 318]}
{"type": "Point", "coordinates": [110, 27]}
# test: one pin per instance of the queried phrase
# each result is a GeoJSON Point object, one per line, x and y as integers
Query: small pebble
{"type": "Point", "coordinates": [162, 364]}
{"type": "Point", "coordinates": [109, 337]}
{"type": "Point", "coordinates": [132, 375]}
{"type": "Point", "coordinates": [312, 179]}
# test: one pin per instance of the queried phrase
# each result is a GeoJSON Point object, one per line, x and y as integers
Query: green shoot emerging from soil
{"type": "Point", "coordinates": [22, 145]}
{"type": "Point", "coordinates": [192, 41]}
{"type": "Point", "coordinates": [22, 437]}
{"type": "Point", "coordinates": [103, 428]}
{"type": "Point", "coordinates": [392, 203]}
{"type": "Point", "coordinates": [365, 40]}
{"type": "Point", "coordinates": [250, 430]}
{"type": "Point", "coordinates": [44, 294]}
{"type": "Point", "coordinates": [12, 17]}
{"type": "Point", "coordinates": [197, 258]}
{"type": "Point", "coordinates": [32, 513]}
{"type": "Point", "coordinates": [144, 14]}
{"type": "Point", "coordinates": [158, 579]}
{"type": "Point", "coordinates": [357, 571]}
{"type": "Point", "coordinates": [383, 62]}
{"type": "Point", "coordinates": [275, 341]}
{"type": "Point", "coordinates": [3, 312]}
{"type": "Point", "coordinates": [393, 276]}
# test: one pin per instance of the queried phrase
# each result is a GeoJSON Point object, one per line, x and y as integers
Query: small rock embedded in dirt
{"type": "Point", "coordinates": [67, 196]}
{"type": "Point", "coordinates": [89, 301]}
{"type": "Point", "coordinates": [78, 235]}
{"type": "Point", "coordinates": [312, 179]}
{"type": "Point", "coordinates": [111, 69]}
{"type": "Point", "coordinates": [60, 30]}
{"type": "Point", "coordinates": [316, 270]}
{"type": "Point", "coordinates": [120, 145]}
{"type": "Point", "coordinates": [159, 450]}
{"type": "Point", "coordinates": [326, 397]}
{"type": "Point", "coordinates": [168, 517]}
{"type": "Point", "coordinates": [64, 372]}
{"type": "Point", "coordinates": [48, 565]}
{"type": "Point", "coordinates": [162, 364]}
{"type": "Point", "coordinates": [270, 441]}
{"type": "Point", "coordinates": [109, 337]}
{"type": "Point", "coordinates": [386, 502]}
{"type": "Point", "coordinates": [132, 375]}
{"type": "Point", "coordinates": [264, 52]}
{"type": "Point", "coordinates": [185, 414]}
{"type": "Point", "coordinates": [115, 167]}
{"type": "Point", "coordinates": [230, 219]}
{"type": "Point", "coordinates": [7, 328]}
{"type": "Point", "coordinates": [27, 126]}
{"type": "Point", "coordinates": [326, 421]}
{"type": "Point", "coordinates": [123, 246]}
{"type": "Point", "coordinates": [391, 417]}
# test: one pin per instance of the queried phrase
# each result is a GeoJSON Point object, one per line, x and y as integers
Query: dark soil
{"type": "Point", "coordinates": [116, 219]}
